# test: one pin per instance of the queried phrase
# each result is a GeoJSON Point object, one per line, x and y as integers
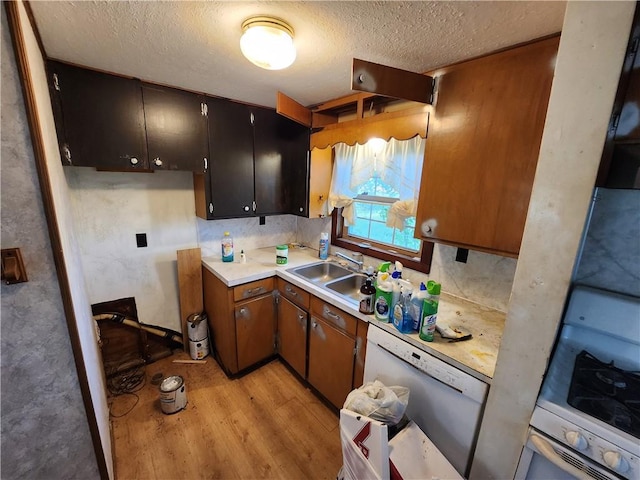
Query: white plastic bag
{"type": "Point", "coordinates": [377, 401]}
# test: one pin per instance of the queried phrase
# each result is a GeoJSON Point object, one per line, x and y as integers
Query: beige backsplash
{"type": "Point", "coordinates": [485, 279]}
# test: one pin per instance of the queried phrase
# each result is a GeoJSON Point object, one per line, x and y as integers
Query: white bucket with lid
{"type": "Point", "coordinates": [173, 394]}
{"type": "Point", "coordinates": [198, 333]}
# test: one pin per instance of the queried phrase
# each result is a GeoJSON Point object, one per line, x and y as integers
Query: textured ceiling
{"type": "Point", "coordinates": [195, 45]}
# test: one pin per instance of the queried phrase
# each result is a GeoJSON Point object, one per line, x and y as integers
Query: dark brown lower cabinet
{"type": "Point", "coordinates": [331, 353]}
{"type": "Point", "coordinates": [292, 332]}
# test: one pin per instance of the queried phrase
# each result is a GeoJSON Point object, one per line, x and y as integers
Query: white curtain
{"type": "Point", "coordinates": [397, 162]}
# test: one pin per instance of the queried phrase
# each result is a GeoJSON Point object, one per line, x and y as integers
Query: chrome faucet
{"type": "Point", "coordinates": [359, 263]}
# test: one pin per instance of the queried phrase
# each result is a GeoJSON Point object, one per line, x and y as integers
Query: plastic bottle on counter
{"type": "Point", "coordinates": [323, 250]}
{"type": "Point", "coordinates": [395, 289]}
{"type": "Point", "coordinates": [417, 301]}
{"type": "Point", "coordinates": [433, 291]}
{"type": "Point", "coordinates": [428, 323]}
{"type": "Point", "coordinates": [367, 297]}
{"type": "Point", "coordinates": [401, 318]}
{"type": "Point", "coordinates": [227, 247]}
{"type": "Point", "coordinates": [382, 310]}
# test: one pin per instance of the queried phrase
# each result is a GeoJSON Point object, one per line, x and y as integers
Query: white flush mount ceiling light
{"type": "Point", "coordinates": [268, 42]}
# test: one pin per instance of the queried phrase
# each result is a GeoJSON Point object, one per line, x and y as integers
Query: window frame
{"type": "Point", "coordinates": [339, 239]}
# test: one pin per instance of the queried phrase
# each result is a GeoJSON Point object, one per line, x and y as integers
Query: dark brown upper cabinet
{"type": "Point", "coordinates": [259, 163]}
{"type": "Point", "coordinates": [118, 123]}
{"type": "Point", "coordinates": [620, 164]}
{"type": "Point", "coordinates": [99, 118]}
{"type": "Point", "coordinates": [176, 127]}
{"type": "Point", "coordinates": [231, 149]}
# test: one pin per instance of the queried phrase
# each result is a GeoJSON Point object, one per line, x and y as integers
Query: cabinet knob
{"type": "Point", "coordinates": [314, 324]}
{"type": "Point", "coordinates": [133, 160]}
{"type": "Point", "coordinates": [157, 162]}
{"type": "Point", "coordinates": [242, 311]}
{"type": "Point", "coordinates": [245, 208]}
{"type": "Point", "coordinates": [428, 227]}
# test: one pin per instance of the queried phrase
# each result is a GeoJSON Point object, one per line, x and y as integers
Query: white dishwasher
{"type": "Point", "coordinates": [446, 403]}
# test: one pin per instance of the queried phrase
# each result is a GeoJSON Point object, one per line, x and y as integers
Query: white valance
{"type": "Point", "coordinates": [397, 163]}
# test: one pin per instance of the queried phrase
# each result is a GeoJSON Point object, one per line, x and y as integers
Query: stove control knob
{"type": "Point", "coordinates": [615, 461]}
{"type": "Point", "coordinates": [576, 440]}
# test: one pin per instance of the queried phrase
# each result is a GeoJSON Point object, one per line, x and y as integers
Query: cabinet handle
{"type": "Point", "coordinates": [206, 164]}
{"type": "Point", "coordinates": [67, 153]}
{"type": "Point", "coordinates": [251, 291]}
{"type": "Point", "coordinates": [56, 82]}
{"type": "Point", "coordinates": [210, 207]}
{"type": "Point", "coordinates": [330, 314]}
{"type": "Point", "coordinates": [157, 162]}
{"type": "Point", "coordinates": [254, 206]}
{"type": "Point", "coordinates": [133, 160]}
{"type": "Point", "coordinates": [291, 291]}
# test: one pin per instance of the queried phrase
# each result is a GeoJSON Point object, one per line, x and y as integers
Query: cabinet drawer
{"type": "Point", "coordinates": [297, 295]}
{"type": "Point", "coordinates": [252, 289]}
{"type": "Point", "coordinates": [334, 315]}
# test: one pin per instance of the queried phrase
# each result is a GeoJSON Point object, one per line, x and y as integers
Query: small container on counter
{"type": "Point", "coordinates": [323, 250]}
{"type": "Point", "coordinates": [367, 297]}
{"type": "Point", "coordinates": [282, 254]}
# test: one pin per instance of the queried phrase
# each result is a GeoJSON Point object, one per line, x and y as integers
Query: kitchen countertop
{"type": "Point", "coordinates": [476, 356]}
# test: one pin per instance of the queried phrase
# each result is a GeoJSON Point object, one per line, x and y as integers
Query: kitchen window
{"type": "Point", "coordinates": [374, 196]}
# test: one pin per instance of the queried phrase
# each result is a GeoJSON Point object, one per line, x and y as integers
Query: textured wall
{"type": "Point", "coordinates": [611, 250]}
{"type": "Point", "coordinates": [247, 233]}
{"type": "Point", "coordinates": [109, 209]}
{"type": "Point", "coordinates": [44, 425]}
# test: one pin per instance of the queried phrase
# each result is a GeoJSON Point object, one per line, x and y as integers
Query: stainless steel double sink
{"type": "Point", "coordinates": [333, 277]}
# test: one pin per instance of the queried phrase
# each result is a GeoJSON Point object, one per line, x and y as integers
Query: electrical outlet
{"type": "Point", "coordinates": [262, 220]}
{"type": "Point", "coordinates": [461, 255]}
{"type": "Point", "coordinates": [141, 240]}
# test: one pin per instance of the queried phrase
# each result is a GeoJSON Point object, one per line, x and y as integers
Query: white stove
{"type": "Point", "coordinates": [601, 438]}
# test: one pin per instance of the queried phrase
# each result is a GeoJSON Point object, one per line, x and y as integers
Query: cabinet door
{"type": "Point", "coordinates": [281, 164]}
{"type": "Point", "coordinates": [255, 330]}
{"type": "Point", "coordinates": [231, 150]}
{"type": "Point", "coordinates": [271, 196]}
{"type": "Point", "coordinates": [331, 354]}
{"type": "Point", "coordinates": [176, 126]}
{"type": "Point", "coordinates": [482, 148]}
{"type": "Point", "coordinates": [294, 141]}
{"type": "Point", "coordinates": [103, 119]}
{"type": "Point", "coordinates": [361, 353]}
{"type": "Point", "coordinates": [292, 331]}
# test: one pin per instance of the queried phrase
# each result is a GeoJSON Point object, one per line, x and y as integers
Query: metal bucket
{"type": "Point", "coordinates": [198, 335]}
{"type": "Point", "coordinates": [173, 394]}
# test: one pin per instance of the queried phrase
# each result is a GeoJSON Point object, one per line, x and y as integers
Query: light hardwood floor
{"type": "Point", "coordinates": [263, 425]}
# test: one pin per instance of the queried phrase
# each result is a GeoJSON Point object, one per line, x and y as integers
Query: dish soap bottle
{"type": "Point", "coordinates": [367, 297]}
{"type": "Point", "coordinates": [401, 318]}
{"type": "Point", "coordinates": [227, 247]}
